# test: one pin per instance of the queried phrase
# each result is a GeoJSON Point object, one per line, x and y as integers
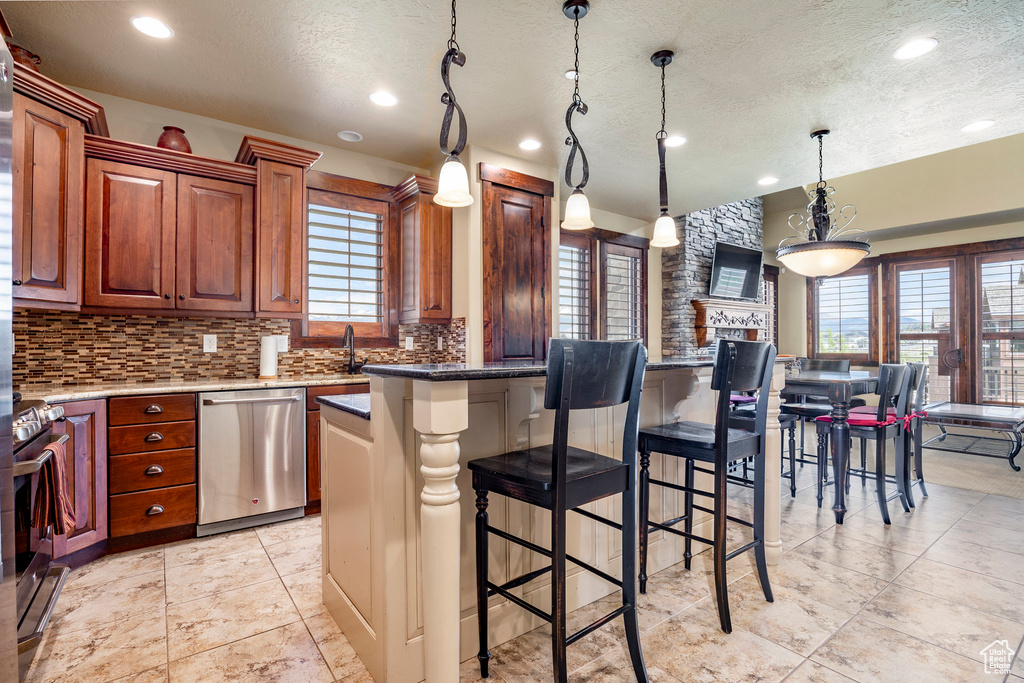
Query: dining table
{"type": "Point", "coordinates": [840, 388]}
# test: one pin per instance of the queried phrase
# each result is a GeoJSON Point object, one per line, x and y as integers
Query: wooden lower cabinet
{"type": "Point", "coordinates": [136, 513]}
{"type": "Point", "coordinates": [85, 423]}
{"type": "Point", "coordinates": [313, 437]}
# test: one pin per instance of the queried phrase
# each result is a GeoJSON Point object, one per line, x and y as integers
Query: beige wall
{"type": "Point", "coordinates": [917, 204]}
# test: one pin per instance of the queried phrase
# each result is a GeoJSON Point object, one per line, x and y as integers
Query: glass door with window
{"type": "Point", "coordinates": [924, 324]}
{"type": "Point", "coordinates": [1000, 326]}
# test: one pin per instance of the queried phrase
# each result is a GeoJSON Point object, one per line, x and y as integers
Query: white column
{"type": "Point", "coordinates": [440, 412]}
{"type": "Point", "coordinates": [772, 465]}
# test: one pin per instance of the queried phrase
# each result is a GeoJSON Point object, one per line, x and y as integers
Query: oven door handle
{"type": "Point", "coordinates": [36, 464]}
{"type": "Point", "coordinates": [30, 641]}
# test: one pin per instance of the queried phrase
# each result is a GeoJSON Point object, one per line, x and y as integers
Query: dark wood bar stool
{"type": "Point", "coordinates": [739, 366]}
{"type": "Point", "coordinates": [885, 423]}
{"type": "Point", "coordinates": [582, 375]}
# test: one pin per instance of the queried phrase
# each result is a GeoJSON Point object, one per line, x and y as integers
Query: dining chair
{"type": "Point", "coordinates": [581, 375]}
{"type": "Point", "coordinates": [740, 366]}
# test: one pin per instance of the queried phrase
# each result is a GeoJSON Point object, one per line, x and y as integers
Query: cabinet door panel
{"type": "Point", "coordinates": [436, 262]}
{"type": "Point", "coordinates": [280, 235]}
{"type": "Point", "coordinates": [215, 235]}
{"type": "Point", "coordinates": [129, 236]}
{"type": "Point", "coordinates": [48, 170]}
{"type": "Point", "coordinates": [86, 426]}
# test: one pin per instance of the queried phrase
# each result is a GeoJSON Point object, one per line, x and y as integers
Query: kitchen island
{"type": "Point", "coordinates": [398, 551]}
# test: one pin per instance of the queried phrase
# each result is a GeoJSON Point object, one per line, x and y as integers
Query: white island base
{"type": "Point", "coordinates": [399, 508]}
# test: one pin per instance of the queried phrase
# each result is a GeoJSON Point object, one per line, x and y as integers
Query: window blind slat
{"type": "Point", "coordinates": [574, 304]}
{"type": "Point", "coordinates": [1002, 310]}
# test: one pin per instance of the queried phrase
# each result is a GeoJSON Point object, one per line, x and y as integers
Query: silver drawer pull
{"type": "Point", "coordinates": [262, 399]}
{"type": "Point", "coordinates": [155, 510]}
{"type": "Point", "coordinates": [154, 469]}
{"type": "Point", "coordinates": [154, 436]}
{"type": "Point", "coordinates": [153, 409]}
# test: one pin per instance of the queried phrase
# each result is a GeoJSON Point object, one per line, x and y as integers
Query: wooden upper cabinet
{"type": "Point", "coordinates": [214, 250]}
{"type": "Point", "coordinates": [281, 239]}
{"type": "Point", "coordinates": [426, 253]}
{"type": "Point", "coordinates": [48, 167]}
{"type": "Point", "coordinates": [129, 236]}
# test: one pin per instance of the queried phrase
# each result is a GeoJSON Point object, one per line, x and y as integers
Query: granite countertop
{"type": "Point", "coordinates": [356, 404]}
{"type": "Point", "coordinates": [450, 372]}
{"type": "Point", "coordinates": [73, 392]}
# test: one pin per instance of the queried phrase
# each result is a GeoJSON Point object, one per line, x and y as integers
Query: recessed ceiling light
{"type": "Point", "coordinates": [529, 144]}
{"type": "Point", "coordinates": [152, 27]}
{"type": "Point", "coordinates": [350, 136]}
{"type": "Point", "coordinates": [384, 99]}
{"type": "Point", "coordinates": [978, 125]}
{"type": "Point", "coordinates": [768, 180]}
{"type": "Point", "coordinates": [571, 74]}
{"type": "Point", "coordinates": [915, 48]}
{"type": "Point", "coordinates": [674, 141]}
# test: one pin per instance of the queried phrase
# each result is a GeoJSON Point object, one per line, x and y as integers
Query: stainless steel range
{"type": "Point", "coordinates": [39, 580]}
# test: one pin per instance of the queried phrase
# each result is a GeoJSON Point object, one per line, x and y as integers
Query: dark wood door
{"type": "Point", "coordinates": [280, 240]}
{"type": "Point", "coordinates": [129, 236]}
{"type": "Point", "coordinates": [516, 267]}
{"type": "Point", "coordinates": [86, 426]}
{"type": "Point", "coordinates": [215, 237]}
{"type": "Point", "coordinates": [49, 188]}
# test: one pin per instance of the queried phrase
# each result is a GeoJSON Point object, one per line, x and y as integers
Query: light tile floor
{"type": "Point", "coordinates": [915, 601]}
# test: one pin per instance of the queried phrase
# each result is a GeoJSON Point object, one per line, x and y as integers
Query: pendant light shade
{"type": "Point", "coordinates": [453, 184]}
{"type": "Point", "coordinates": [665, 227]}
{"type": "Point", "coordinates": [825, 244]}
{"type": "Point", "coordinates": [577, 212]}
{"type": "Point", "coordinates": [577, 207]}
{"type": "Point", "coordinates": [664, 232]}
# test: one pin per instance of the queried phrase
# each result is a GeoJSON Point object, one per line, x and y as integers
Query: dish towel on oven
{"type": "Point", "coordinates": [53, 499]}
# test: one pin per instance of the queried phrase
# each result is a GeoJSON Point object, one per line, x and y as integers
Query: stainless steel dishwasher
{"type": "Point", "coordinates": [252, 458]}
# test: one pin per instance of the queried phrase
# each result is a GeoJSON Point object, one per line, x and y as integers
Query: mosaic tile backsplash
{"type": "Point", "coordinates": [60, 348]}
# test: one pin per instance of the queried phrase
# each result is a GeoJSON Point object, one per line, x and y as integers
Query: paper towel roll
{"type": "Point", "coordinates": [268, 357]}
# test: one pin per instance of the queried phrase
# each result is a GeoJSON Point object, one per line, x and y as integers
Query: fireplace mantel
{"type": "Point", "coordinates": [725, 314]}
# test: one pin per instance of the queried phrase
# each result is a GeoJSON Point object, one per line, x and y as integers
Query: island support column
{"type": "Point", "coordinates": [440, 412]}
{"type": "Point", "coordinates": [773, 470]}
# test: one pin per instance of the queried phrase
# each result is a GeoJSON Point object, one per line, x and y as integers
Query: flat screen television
{"type": "Point", "coordinates": [736, 272]}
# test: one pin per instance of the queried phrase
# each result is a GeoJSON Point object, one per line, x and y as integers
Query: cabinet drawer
{"type": "Point", "coordinates": [137, 410]}
{"type": "Point", "coordinates": [133, 513]}
{"type": "Point", "coordinates": [152, 437]}
{"type": "Point", "coordinates": [160, 469]}
{"type": "Point", "coordinates": [334, 390]}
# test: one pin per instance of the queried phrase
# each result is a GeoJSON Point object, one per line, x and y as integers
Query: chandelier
{"type": "Point", "coordinates": [665, 226]}
{"type": "Point", "coordinates": [453, 181]}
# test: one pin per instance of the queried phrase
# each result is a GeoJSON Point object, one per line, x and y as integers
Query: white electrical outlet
{"type": "Point", "coordinates": [408, 343]}
{"type": "Point", "coordinates": [440, 344]}
{"type": "Point", "coordinates": [282, 343]}
{"type": "Point", "coordinates": [209, 343]}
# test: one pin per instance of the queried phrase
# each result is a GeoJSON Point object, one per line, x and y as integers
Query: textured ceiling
{"type": "Point", "coordinates": [750, 81]}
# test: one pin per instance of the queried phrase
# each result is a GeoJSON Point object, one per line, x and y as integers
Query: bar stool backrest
{"type": "Point", "coordinates": [918, 379]}
{"type": "Point", "coordinates": [821, 365]}
{"type": "Point", "coordinates": [742, 366]}
{"type": "Point", "coordinates": [583, 375]}
{"type": "Point", "coordinates": [893, 389]}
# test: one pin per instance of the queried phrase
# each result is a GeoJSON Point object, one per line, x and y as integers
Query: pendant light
{"type": "Point", "coordinates": [577, 208]}
{"type": "Point", "coordinates": [665, 226]}
{"type": "Point", "coordinates": [826, 245]}
{"type": "Point", "coordinates": [453, 181]}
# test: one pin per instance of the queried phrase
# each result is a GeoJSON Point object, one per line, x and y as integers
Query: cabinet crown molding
{"type": "Point", "coordinates": [51, 93]}
{"type": "Point", "coordinates": [414, 184]}
{"type": "Point", "coordinates": [167, 160]}
{"type": "Point", "coordinates": [253, 149]}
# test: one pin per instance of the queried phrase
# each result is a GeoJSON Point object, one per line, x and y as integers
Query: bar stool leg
{"type": "Point", "coordinates": [630, 619]}
{"type": "Point", "coordinates": [645, 515]}
{"type": "Point", "coordinates": [718, 536]}
{"type": "Point", "coordinates": [904, 469]}
{"type": "Point", "coordinates": [558, 610]}
{"type": "Point", "coordinates": [899, 473]}
{"type": "Point", "coordinates": [883, 504]}
{"type": "Point", "coordinates": [822, 462]}
{"type": "Point", "coordinates": [481, 578]}
{"type": "Point", "coordinates": [918, 456]}
{"type": "Point", "coordinates": [792, 461]}
{"type": "Point", "coordinates": [759, 550]}
{"type": "Point", "coordinates": [688, 511]}
{"type": "Point", "coordinates": [864, 461]}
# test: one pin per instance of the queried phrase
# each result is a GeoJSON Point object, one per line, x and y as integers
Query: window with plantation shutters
{"type": "Point", "coordinates": [577, 281]}
{"type": "Point", "coordinates": [923, 320]}
{"type": "Point", "coordinates": [623, 291]}
{"type": "Point", "coordinates": [1001, 298]}
{"type": "Point", "coordinates": [844, 316]}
